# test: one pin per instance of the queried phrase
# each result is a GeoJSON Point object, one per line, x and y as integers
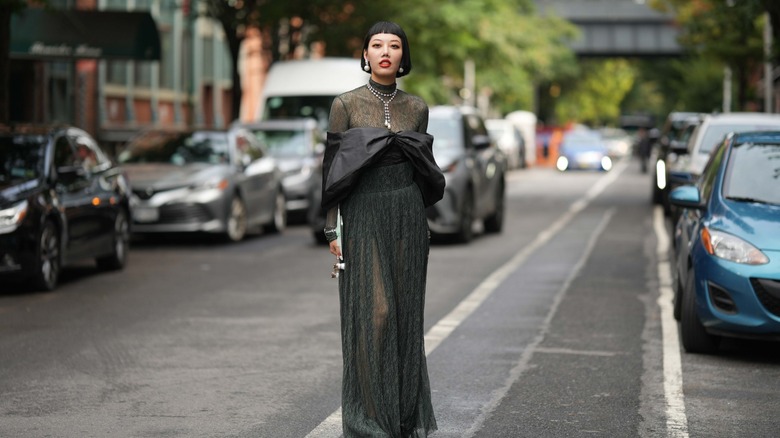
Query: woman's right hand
{"type": "Point", "coordinates": [334, 249]}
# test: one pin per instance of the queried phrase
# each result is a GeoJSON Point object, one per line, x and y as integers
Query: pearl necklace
{"type": "Point", "coordinates": [382, 96]}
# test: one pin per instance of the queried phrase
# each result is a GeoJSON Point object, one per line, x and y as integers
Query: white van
{"type": "Point", "coordinates": [306, 88]}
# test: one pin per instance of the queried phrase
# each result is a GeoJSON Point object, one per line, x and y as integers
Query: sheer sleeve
{"type": "Point", "coordinates": [338, 122]}
{"type": "Point", "coordinates": [423, 126]}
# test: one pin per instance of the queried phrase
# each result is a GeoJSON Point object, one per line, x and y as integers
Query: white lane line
{"type": "Point", "coordinates": [676, 419]}
{"type": "Point", "coordinates": [528, 351]}
{"type": "Point", "coordinates": [331, 426]}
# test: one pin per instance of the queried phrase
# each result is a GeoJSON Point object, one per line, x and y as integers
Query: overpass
{"type": "Point", "coordinates": [616, 28]}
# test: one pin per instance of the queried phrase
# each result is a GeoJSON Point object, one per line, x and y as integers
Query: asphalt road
{"type": "Point", "coordinates": [554, 328]}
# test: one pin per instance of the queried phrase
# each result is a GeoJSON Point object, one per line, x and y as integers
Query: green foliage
{"type": "Point", "coordinates": [597, 93]}
{"type": "Point", "coordinates": [512, 48]}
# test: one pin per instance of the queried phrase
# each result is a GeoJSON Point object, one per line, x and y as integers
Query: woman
{"type": "Point", "coordinates": [379, 172]}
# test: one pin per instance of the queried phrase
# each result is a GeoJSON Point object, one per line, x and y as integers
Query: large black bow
{"type": "Point", "coordinates": [349, 152]}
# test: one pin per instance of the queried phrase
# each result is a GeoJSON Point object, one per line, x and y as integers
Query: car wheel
{"type": "Point", "coordinates": [118, 257]}
{"type": "Point", "coordinates": [279, 221]}
{"type": "Point", "coordinates": [694, 338]}
{"type": "Point", "coordinates": [465, 232]}
{"type": "Point", "coordinates": [47, 270]}
{"type": "Point", "coordinates": [495, 222]}
{"type": "Point", "coordinates": [236, 221]}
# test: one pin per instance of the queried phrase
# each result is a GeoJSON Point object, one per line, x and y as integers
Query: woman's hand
{"type": "Point", "coordinates": [334, 249]}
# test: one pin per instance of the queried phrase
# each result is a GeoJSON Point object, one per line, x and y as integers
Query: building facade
{"type": "Point", "coordinates": [189, 85]}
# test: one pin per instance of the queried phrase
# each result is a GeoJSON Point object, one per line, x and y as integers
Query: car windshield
{"type": "Point", "coordinates": [178, 148]}
{"type": "Point", "coordinates": [447, 138]}
{"type": "Point", "coordinates": [753, 174]}
{"type": "Point", "coordinates": [284, 143]}
{"type": "Point", "coordinates": [287, 107]}
{"type": "Point", "coordinates": [715, 134]}
{"type": "Point", "coordinates": [582, 140]}
{"type": "Point", "coordinates": [21, 159]}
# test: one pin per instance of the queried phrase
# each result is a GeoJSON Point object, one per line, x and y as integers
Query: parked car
{"type": "Point", "coordinates": [583, 149]}
{"type": "Point", "coordinates": [298, 146]}
{"type": "Point", "coordinates": [474, 171]}
{"type": "Point", "coordinates": [703, 137]}
{"type": "Point", "coordinates": [672, 144]}
{"type": "Point", "coordinates": [306, 88]}
{"type": "Point", "coordinates": [618, 142]}
{"type": "Point", "coordinates": [509, 139]}
{"type": "Point", "coordinates": [214, 181]}
{"type": "Point", "coordinates": [61, 200]}
{"type": "Point", "coordinates": [727, 276]}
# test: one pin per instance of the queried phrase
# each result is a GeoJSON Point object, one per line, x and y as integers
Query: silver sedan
{"type": "Point", "coordinates": [215, 181]}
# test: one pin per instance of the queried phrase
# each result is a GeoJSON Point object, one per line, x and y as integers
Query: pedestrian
{"type": "Point", "coordinates": [643, 148]}
{"type": "Point", "coordinates": [379, 174]}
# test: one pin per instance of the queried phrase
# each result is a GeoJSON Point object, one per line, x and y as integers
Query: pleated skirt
{"type": "Point", "coordinates": [386, 392]}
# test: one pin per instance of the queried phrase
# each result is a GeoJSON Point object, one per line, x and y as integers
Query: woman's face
{"type": "Point", "coordinates": [384, 56]}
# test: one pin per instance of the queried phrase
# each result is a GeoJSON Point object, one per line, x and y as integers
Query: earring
{"type": "Point", "coordinates": [366, 67]}
{"type": "Point", "coordinates": [401, 70]}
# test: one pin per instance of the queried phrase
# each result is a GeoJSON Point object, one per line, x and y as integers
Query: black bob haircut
{"type": "Point", "coordinates": [394, 29]}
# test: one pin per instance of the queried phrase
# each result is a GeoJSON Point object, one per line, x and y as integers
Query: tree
{"type": "Point", "coordinates": [513, 48]}
{"type": "Point", "coordinates": [730, 34]}
{"type": "Point", "coordinates": [7, 8]}
{"type": "Point", "coordinates": [288, 25]}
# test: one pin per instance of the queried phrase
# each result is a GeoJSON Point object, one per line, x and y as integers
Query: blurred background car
{"type": "Point", "coordinates": [61, 200]}
{"type": "Point", "coordinates": [583, 149]}
{"type": "Point", "coordinates": [702, 138]}
{"type": "Point", "coordinates": [214, 181]}
{"type": "Point", "coordinates": [474, 169]}
{"type": "Point", "coordinates": [727, 245]}
{"type": "Point", "coordinates": [298, 146]}
{"type": "Point", "coordinates": [618, 141]}
{"type": "Point", "coordinates": [306, 88]}
{"type": "Point", "coordinates": [509, 139]}
{"type": "Point", "coordinates": [671, 144]}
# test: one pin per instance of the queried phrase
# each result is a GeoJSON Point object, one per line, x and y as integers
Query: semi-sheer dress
{"type": "Point", "coordinates": [385, 240]}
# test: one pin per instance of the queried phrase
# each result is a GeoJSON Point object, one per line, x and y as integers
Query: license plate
{"type": "Point", "coordinates": [146, 214]}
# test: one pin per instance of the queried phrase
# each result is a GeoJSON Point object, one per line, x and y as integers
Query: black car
{"type": "Point", "coordinates": [61, 200]}
{"type": "Point", "coordinates": [670, 146]}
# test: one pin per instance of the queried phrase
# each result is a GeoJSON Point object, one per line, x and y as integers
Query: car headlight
{"type": "Point", "coordinates": [732, 248]}
{"type": "Point", "coordinates": [606, 163]}
{"type": "Point", "coordinates": [212, 183]}
{"type": "Point", "coordinates": [10, 218]}
{"type": "Point", "coordinates": [562, 163]}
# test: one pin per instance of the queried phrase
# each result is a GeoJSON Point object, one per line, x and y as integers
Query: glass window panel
{"type": "Point", "coordinates": [167, 57]}
{"type": "Point", "coordinates": [143, 74]}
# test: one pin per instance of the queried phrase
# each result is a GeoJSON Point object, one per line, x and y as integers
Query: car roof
{"type": "Point", "coordinates": [759, 137]}
{"type": "Point", "coordinates": [450, 110]}
{"type": "Point", "coordinates": [740, 117]}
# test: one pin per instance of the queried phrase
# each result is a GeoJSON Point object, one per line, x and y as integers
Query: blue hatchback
{"type": "Point", "coordinates": [727, 243]}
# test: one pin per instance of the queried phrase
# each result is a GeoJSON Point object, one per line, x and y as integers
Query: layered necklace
{"type": "Point", "coordinates": [385, 98]}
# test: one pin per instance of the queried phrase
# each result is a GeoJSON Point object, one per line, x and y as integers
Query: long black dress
{"type": "Point", "coordinates": [385, 390]}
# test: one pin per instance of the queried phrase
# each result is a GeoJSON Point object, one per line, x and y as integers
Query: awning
{"type": "Point", "coordinates": [75, 34]}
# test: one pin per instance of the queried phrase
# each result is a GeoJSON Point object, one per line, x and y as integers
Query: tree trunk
{"type": "Point", "coordinates": [5, 62]}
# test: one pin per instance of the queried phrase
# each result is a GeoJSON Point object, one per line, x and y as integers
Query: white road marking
{"type": "Point", "coordinates": [530, 349]}
{"type": "Point", "coordinates": [331, 426]}
{"type": "Point", "coordinates": [676, 419]}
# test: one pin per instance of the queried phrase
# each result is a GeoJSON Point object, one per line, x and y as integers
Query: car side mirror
{"type": "Point", "coordinates": [480, 141]}
{"type": "Point", "coordinates": [686, 197]}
